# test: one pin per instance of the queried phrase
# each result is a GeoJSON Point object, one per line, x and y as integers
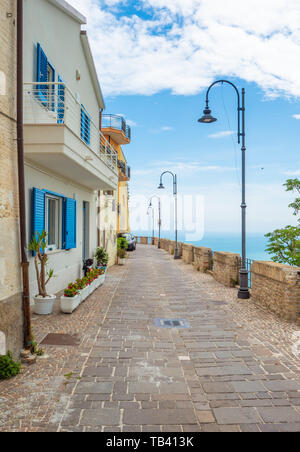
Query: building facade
{"type": "Point", "coordinates": [118, 133]}
{"type": "Point", "coordinates": [67, 159]}
{"type": "Point", "coordinates": [11, 311]}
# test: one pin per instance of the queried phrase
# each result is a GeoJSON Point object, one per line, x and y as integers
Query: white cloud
{"type": "Point", "coordinates": [221, 134]}
{"type": "Point", "coordinates": [296, 116]}
{"type": "Point", "coordinates": [167, 128]}
{"type": "Point", "coordinates": [181, 168]}
{"type": "Point", "coordinates": [292, 173]}
{"type": "Point", "coordinates": [186, 44]}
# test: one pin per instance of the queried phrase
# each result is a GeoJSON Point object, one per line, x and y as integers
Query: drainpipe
{"type": "Point", "coordinates": [21, 178]}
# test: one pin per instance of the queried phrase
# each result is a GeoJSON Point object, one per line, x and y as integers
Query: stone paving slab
{"type": "Point", "coordinates": [233, 370]}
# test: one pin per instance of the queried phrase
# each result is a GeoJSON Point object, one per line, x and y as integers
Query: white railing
{"type": "Point", "coordinates": [54, 103]}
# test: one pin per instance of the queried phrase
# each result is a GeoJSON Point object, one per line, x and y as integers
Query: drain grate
{"type": "Point", "coordinates": [61, 339]}
{"type": "Point", "coordinates": [171, 323]}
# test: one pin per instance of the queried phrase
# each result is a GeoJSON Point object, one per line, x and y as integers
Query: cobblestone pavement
{"type": "Point", "coordinates": [232, 370]}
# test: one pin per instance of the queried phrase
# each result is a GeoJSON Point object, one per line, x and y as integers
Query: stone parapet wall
{"type": "Point", "coordinates": [188, 253]}
{"type": "Point", "coordinates": [226, 268]}
{"type": "Point", "coordinates": [180, 247]}
{"type": "Point", "coordinates": [171, 247]}
{"type": "Point", "coordinates": [166, 245]}
{"type": "Point", "coordinates": [203, 258]}
{"type": "Point", "coordinates": [277, 288]}
{"type": "Point", "coordinates": [144, 240]}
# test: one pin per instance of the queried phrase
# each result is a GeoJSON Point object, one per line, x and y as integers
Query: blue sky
{"type": "Point", "coordinates": [155, 59]}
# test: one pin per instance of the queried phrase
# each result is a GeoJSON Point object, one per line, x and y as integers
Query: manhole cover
{"type": "Point", "coordinates": [171, 323]}
{"type": "Point", "coordinates": [61, 339]}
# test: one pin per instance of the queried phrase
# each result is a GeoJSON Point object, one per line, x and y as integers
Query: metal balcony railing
{"type": "Point", "coordinates": [124, 168]}
{"type": "Point", "coordinates": [116, 122]}
{"type": "Point", "coordinates": [54, 103]}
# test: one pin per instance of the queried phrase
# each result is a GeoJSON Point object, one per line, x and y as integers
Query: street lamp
{"type": "Point", "coordinates": [148, 213]}
{"type": "Point", "coordinates": [176, 255]}
{"type": "Point", "coordinates": [208, 118]}
{"type": "Point", "coordinates": [159, 218]}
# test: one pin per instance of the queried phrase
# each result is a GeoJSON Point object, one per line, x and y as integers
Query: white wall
{"type": "Point", "coordinates": [67, 264]}
{"type": "Point", "coordinates": [108, 223]}
{"type": "Point", "coordinates": [59, 36]}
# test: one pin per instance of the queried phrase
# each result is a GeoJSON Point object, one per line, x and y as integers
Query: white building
{"type": "Point", "coordinates": [67, 159]}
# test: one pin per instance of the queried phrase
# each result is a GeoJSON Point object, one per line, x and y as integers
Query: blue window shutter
{"type": "Point", "coordinates": [42, 74]}
{"type": "Point", "coordinates": [61, 102]}
{"type": "Point", "coordinates": [85, 126]}
{"type": "Point", "coordinates": [42, 65]}
{"type": "Point", "coordinates": [70, 223]}
{"type": "Point", "coordinates": [38, 211]}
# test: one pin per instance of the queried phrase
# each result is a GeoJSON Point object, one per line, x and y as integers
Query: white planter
{"type": "Point", "coordinates": [97, 282]}
{"type": "Point", "coordinates": [85, 293]}
{"type": "Point", "coordinates": [44, 305]}
{"type": "Point", "coordinates": [69, 304]}
{"type": "Point", "coordinates": [121, 260]}
{"type": "Point", "coordinates": [92, 287]}
{"type": "Point", "coordinates": [102, 279]}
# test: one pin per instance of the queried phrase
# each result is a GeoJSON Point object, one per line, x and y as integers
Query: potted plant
{"type": "Point", "coordinates": [43, 302]}
{"type": "Point", "coordinates": [102, 274]}
{"type": "Point", "coordinates": [122, 246]}
{"type": "Point", "coordinates": [91, 281]}
{"type": "Point", "coordinates": [83, 287]}
{"type": "Point", "coordinates": [71, 299]}
{"type": "Point", "coordinates": [102, 257]}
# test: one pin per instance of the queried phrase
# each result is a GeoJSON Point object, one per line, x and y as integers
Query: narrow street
{"type": "Point", "coordinates": [230, 367]}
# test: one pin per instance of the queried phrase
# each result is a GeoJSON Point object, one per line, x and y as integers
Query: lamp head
{"type": "Point", "coordinates": [160, 187]}
{"type": "Point", "coordinates": [207, 117]}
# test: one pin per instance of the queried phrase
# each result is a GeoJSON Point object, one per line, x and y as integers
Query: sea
{"type": "Point", "coordinates": [256, 243]}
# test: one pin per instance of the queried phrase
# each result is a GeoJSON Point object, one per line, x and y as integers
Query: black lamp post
{"type": "Point", "coordinates": [176, 255]}
{"type": "Point", "coordinates": [159, 219]}
{"type": "Point", "coordinates": [208, 118]}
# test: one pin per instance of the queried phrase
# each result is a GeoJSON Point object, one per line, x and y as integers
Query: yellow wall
{"type": "Point", "coordinates": [123, 224]}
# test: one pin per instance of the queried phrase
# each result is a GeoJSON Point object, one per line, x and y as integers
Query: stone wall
{"type": "Point", "coordinates": [11, 315]}
{"type": "Point", "coordinates": [172, 247]}
{"type": "Point", "coordinates": [188, 253]}
{"type": "Point", "coordinates": [277, 288]}
{"type": "Point", "coordinates": [203, 259]}
{"type": "Point", "coordinates": [226, 268]}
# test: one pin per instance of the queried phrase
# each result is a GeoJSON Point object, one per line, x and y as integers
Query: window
{"type": "Point", "coordinates": [57, 215]}
{"type": "Point", "coordinates": [53, 221]}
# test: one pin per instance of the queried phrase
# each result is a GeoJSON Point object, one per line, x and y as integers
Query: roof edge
{"type": "Point", "coordinates": [92, 68]}
{"type": "Point", "coordinates": [68, 9]}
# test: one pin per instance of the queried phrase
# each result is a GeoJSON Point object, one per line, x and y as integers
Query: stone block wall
{"type": "Point", "coordinates": [171, 247]}
{"type": "Point", "coordinates": [203, 259]}
{"type": "Point", "coordinates": [188, 253]}
{"type": "Point", "coordinates": [226, 268]}
{"type": "Point", "coordinates": [277, 288]}
{"type": "Point", "coordinates": [144, 240]}
{"type": "Point", "coordinates": [180, 247]}
{"type": "Point", "coordinates": [11, 313]}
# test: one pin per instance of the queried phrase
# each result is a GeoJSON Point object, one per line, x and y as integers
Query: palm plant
{"type": "Point", "coordinates": [38, 246]}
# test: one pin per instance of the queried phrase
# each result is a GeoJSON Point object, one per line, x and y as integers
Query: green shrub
{"type": "Point", "coordinates": [122, 243]}
{"type": "Point", "coordinates": [101, 256]}
{"type": "Point", "coordinates": [8, 367]}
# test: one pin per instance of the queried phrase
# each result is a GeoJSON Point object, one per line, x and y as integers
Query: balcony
{"type": "Point", "coordinates": [115, 126]}
{"type": "Point", "coordinates": [60, 135]}
{"type": "Point", "coordinates": [124, 171]}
